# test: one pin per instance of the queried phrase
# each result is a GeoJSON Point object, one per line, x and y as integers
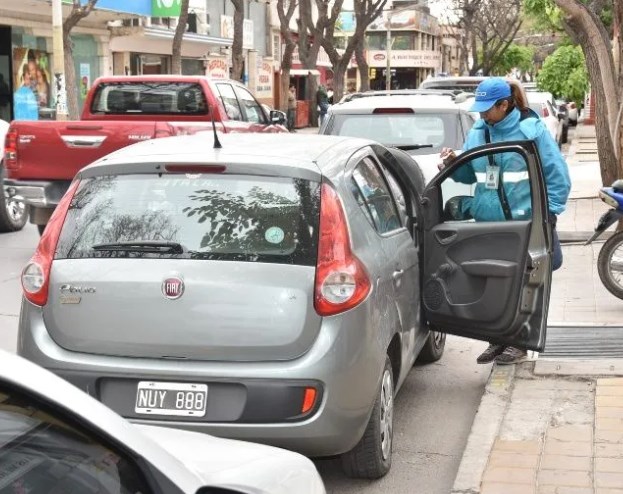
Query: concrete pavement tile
{"type": "Point", "coordinates": [504, 488]}
{"type": "Point", "coordinates": [611, 437]}
{"type": "Point", "coordinates": [525, 447]}
{"type": "Point", "coordinates": [607, 450]}
{"type": "Point", "coordinates": [608, 491]}
{"type": "Point", "coordinates": [610, 381]}
{"type": "Point", "coordinates": [609, 390]}
{"type": "Point", "coordinates": [602, 367]}
{"type": "Point", "coordinates": [609, 413]}
{"type": "Point", "coordinates": [567, 478]}
{"type": "Point", "coordinates": [570, 433]}
{"type": "Point", "coordinates": [510, 475]}
{"type": "Point", "coordinates": [609, 424]}
{"type": "Point", "coordinates": [568, 448]}
{"type": "Point", "coordinates": [512, 459]}
{"type": "Point", "coordinates": [613, 465]}
{"type": "Point", "coordinates": [566, 490]}
{"type": "Point", "coordinates": [560, 462]}
{"type": "Point", "coordinates": [609, 401]}
{"type": "Point", "coordinates": [611, 480]}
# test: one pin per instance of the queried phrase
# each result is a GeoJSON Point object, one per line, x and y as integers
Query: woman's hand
{"type": "Point", "coordinates": [447, 155]}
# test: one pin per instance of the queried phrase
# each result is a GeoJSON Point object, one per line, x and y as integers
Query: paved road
{"type": "Point", "coordinates": [434, 410]}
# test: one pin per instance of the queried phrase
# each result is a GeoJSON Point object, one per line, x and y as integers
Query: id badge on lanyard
{"type": "Point", "coordinates": [492, 178]}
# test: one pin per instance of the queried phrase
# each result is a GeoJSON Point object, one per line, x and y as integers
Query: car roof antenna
{"type": "Point", "coordinates": [217, 143]}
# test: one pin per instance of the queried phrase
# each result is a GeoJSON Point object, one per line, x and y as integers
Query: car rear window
{"type": "Point", "coordinates": [212, 217]}
{"type": "Point", "coordinates": [402, 129]}
{"type": "Point", "coordinates": [170, 98]}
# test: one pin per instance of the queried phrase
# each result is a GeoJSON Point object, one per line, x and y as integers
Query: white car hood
{"type": "Point", "coordinates": [251, 467]}
{"type": "Point", "coordinates": [428, 164]}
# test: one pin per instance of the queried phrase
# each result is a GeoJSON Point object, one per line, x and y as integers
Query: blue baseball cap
{"type": "Point", "coordinates": [488, 92]}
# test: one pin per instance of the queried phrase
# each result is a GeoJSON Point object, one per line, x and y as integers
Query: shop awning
{"type": "Point", "coordinates": [188, 37]}
{"type": "Point", "coordinates": [304, 72]}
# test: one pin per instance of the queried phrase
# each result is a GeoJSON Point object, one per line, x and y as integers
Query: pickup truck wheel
{"type": "Point", "coordinates": [13, 214]}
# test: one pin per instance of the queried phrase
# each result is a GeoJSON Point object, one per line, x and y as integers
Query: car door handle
{"type": "Point", "coordinates": [445, 237]}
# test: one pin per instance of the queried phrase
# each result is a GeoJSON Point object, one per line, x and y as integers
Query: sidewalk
{"type": "Point", "coordinates": [555, 426]}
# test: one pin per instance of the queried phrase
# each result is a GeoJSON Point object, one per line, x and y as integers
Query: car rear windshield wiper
{"type": "Point", "coordinates": [411, 147]}
{"type": "Point", "coordinates": [151, 246]}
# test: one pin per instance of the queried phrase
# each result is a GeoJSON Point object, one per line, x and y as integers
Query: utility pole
{"type": "Point", "coordinates": [58, 67]}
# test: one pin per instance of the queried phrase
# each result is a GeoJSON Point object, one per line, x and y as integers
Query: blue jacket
{"type": "Point", "coordinates": [485, 206]}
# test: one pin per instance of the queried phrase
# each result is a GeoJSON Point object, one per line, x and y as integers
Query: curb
{"type": "Point", "coordinates": [485, 429]}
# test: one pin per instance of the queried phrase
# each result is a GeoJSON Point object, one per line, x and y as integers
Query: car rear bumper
{"type": "Point", "coordinates": [39, 193]}
{"type": "Point", "coordinates": [344, 365]}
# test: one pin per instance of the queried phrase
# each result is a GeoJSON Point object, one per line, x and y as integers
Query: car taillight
{"type": "Point", "coordinates": [36, 274]}
{"type": "Point", "coordinates": [545, 111]}
{"type": "Point", "coordinates": [10, 149]}
{"type": "Point", "coordinates": [341, 279]}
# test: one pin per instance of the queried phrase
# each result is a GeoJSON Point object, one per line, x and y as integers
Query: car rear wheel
{"type": "Point", "coordinates": [372, 457]}
{"type": "Point", "coordinates": [13, 214]}
{"type": "Point", "coordinates": [433, 348]}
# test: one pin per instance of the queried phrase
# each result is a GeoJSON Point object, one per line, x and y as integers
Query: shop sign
{"type": "Point", "coordinates": [247, 34]}
{"type": "Point", "coordinates": [166, 8]}
{"type": "Point", "coordinates": [408, 20]}
{"type": "Point", "coordinates": [217, 68]}
{"type": "Point", "coordinates": [85, 79]}
{"type": "Point", "coordinates": [264, 86]}
{"type": "Point", "coordinates": [137, 7]}
{"type": "Point", "coordinates": [406, 58]}
{"type": "Point", "coordinates": [31, 81]}
{"type": "Point", "coordinates": [227, 26]}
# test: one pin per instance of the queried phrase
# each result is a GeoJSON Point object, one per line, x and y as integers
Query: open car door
{"type": "Point", "coordinates": [486, 269]}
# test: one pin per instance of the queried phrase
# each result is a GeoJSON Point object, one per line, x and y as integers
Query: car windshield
{"type": "Point", "coordinates": [203, 216]}
{"type": "Point", "coordinates": [437, 129]}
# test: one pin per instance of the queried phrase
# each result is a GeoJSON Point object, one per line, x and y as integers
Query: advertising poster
{"type": "Point", "coordinates": [217, 68]}
{"type": "Point", "coordinates": [264, 87]}
{"type": "Point", "coordinates": [85, 79]}
{"type": "Point", "coordinates": [31, 80]}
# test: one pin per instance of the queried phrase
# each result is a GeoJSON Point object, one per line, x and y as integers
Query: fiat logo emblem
{"type": "Point", "coordinates": [173, 288]}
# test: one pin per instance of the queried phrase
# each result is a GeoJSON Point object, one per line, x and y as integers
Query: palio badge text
{"type": "Point", "coordinates": [70, 299]}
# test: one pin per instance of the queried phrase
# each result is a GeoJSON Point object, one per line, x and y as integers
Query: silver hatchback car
{"type": "Point", "coordinates": [278, 289]}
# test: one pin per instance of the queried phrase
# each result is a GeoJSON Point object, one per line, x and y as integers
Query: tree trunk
{"type": "Point", "coordinates": [176, 59]}
{"type": "Point", "coordinates": [237, 57]}
{"type": "Point", "coordinates": [286, 65]}
{"type": "Point", "coordinates": [71, 86]}
{"type": "Point", "coordinates": [596, 46]}
{"type": "Point", "coordinates": [362, 67]}
{"type": "Point", "coordinates": [339, 73]}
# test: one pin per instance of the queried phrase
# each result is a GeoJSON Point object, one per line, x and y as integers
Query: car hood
{"type": "Point", "coordinates": [250, 467]}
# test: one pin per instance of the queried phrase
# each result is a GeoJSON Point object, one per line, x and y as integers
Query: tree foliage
{"type": "Point", "coordinates": [515, 56]}
{"type": "Point", "coordinates": [564, 74]}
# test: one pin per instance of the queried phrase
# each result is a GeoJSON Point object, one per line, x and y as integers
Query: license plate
{"type": "Point", "coordinates": [182, 399]}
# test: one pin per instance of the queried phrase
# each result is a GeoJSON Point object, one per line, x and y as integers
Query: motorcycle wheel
{"type": "Point", "coordinates": [610, 265]}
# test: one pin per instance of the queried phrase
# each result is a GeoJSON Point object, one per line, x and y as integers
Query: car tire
{"type": "Point", "coordinates": [372, 457]}
{"type": "Point", "coordinates": [433, 349]}
{"type": "Point", "coordinates": [13, 214]}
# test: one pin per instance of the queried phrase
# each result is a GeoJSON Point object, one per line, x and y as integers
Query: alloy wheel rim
{"type": "Point", "coordinates": [15, 209]}
{"type": "Point", "coordinates": [437, 338]}
{"type": "Point", "coordinates": [387, 414]}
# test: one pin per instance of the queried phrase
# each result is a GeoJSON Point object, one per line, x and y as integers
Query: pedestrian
{"type": "Point", "coordinates": [322, 100]}
{"type": "Point", "coordinates": [505, 116]}
{"type": "Point", "coordinates": [291, 108]}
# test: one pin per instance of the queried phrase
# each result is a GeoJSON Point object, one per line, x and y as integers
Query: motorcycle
{"type": "Point", "coordinates": [610, 259]}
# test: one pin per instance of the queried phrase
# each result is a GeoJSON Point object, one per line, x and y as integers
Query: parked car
{"type": "Point", "coordinates": [56, 438]}
{"type": "Point", "coordinates": [13, 211]}
{"type": "Point", "coordinates": [119, 111]}
{"type": "Point", "coordinates": [543, 104]}
{"type": "Point", "coordinates": [421, 124]}
{"type": "Point", "coordinates": [285, 283]}
{"type": "Point", "coordinates": [455, 83]}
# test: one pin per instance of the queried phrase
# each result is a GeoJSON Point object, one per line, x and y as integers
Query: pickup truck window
{"type": "Point", "coordinates": [154, 98]}
{"type": "Point", "coordinates": [250, 106]}
{"type": "Point", "coordinates": [230, 101]}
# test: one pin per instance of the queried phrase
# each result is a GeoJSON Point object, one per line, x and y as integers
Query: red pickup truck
{"type": "Point", "coordinates": [42, 157]}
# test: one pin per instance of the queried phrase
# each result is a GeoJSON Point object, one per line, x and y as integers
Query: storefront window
{"type": "Point", "coordinates": [402, 41]}
{"type": "Point", "coordinates": [143, 64]}
{"type": "Point", "coordinates": [192, 66]}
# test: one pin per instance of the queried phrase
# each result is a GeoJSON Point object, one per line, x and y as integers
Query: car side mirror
{"type": "Point", "coordinates": [277, 117]}
{"type": "Point", "coordinates": [458, 209]}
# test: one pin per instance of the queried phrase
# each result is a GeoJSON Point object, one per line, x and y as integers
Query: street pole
{"type": "Point", "coordinates": [388, 53]}
{"type": "Point", "coordinates": [59, 60]}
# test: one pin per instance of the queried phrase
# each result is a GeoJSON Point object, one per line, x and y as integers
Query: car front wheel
{"type": "Point", "coordinates": [372, 457]}
{"type": "Point", "coordinates": [433, 348]}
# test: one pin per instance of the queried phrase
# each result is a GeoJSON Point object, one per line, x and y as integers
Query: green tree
{"type": "Point", "coordinates": [564, 74]}
{"type": "Point", "coordinates": [515, 56]}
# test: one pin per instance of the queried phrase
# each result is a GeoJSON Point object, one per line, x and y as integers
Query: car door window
{"type": "Point", "coordinates": [376, 196]}
{"type": "Point", "coordinates": [492, 188]}
{"type": "Point", "coordinates": [250, 106]}
{"type": "Point", "coordinates": [229, 100]}
{"type": "Point", "coordinates": [44, 452]}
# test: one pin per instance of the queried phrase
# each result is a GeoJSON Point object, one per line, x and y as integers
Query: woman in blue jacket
{"type": "Point", "coordinates": [505, 116]}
